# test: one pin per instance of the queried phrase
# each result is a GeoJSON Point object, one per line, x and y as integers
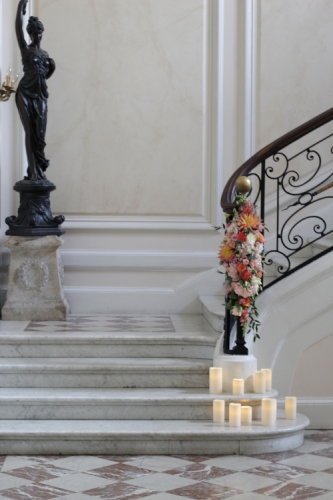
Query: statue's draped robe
{"type": "Point", "coordinates": [31, 100]}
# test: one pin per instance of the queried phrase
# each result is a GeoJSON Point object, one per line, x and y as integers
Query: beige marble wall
{"type": "Point", "coordinates": [126, 117]}
{"type": "Point", "coordinates": [295, 69]}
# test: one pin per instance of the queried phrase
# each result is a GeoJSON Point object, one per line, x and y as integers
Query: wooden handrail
{"type": "Point", "coordinates": [274, 147]}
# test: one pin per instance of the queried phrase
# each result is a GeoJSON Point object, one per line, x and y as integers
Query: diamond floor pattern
{"type": "Point", "coordinates": [270, 476]}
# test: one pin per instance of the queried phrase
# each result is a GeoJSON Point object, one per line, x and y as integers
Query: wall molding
{"type": "Point", "coordinates": [211, 165]}
{"type": "Point", "coordinates": [135, 260]}
{"type": "Point", "coordinates": [250, 78]}
{"type": "Point", "coordinates": [132, 222]}
{"type": "Point", "coordinates": [181, 299]}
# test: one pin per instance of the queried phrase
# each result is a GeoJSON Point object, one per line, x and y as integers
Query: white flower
{"type": "Point", "coordinates": [251, 239]}
{"type": "Point", "coordinates": [255, 280]}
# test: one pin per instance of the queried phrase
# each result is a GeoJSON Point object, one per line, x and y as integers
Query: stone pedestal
{"type": "Point", "coordinates": [35, 290]}
{"type": "Point", "coordinates": [236, 367]}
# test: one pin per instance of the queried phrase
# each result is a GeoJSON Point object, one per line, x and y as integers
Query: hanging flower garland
{"type": "Point", "coordinates": [241, 255]}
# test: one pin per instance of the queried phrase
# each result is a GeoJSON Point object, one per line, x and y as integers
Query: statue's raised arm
{"type": "Point", "coordinates": [21, 10]}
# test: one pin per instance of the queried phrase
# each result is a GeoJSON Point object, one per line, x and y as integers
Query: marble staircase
{"type": "Point", "coordinates": [134, 385]}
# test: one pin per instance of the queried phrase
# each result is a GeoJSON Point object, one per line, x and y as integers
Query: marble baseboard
{"type": "Point", "coordinates": [147, 437]}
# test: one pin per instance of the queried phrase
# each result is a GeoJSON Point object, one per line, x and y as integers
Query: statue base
{"type": "Point", "coordinates": [34, 214]}
{"type": "Point", "coordinates": [35, 290]}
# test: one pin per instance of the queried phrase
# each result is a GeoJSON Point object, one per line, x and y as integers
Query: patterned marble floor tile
{"type": "Point", "coordinates": [34, 492]}
{"type": "Point", "coordinates": [318, 479]}
{"type": "Point", "coordinates": [326, 496]}
{"type": "Point", "coordinates": [39, 472]}
{"type": "Point", "coordinates": [119, 491]}
{"type": "Point", "coordinates": [312, 446]}
{"type": "Point", "coordinates": [194, 458]}
{"type": "Point", "coordinates": [7, 482]}
{"type": "Point", "coordinates": [249, 495]}
{"type": "Point", "coordinates": [48, 458]}
{"type": "Point", "coordinates": [280, 472]}
{"type": "Point", "coordinates": [309, 462]}
{"type": "Point", "coordinates": [328, 471]}
{"type": "Point", "coordinates": [83, 463]}
{"type": "Point", "coordinates": [157, 324]}
{"type": "Point", "coordinates": [13, 326]}
{"type": "Point", "coordinates": [161, 482]}
{"type": "Point", "coordinates": [236, 462]}
{"type": "Point", "coordinates": [74, 496]}
{"type": "Point", "coordinates": [13, 462]}
{"type": "Point", "coordinates": [158, 464]}
{"type": "Point", "coordinates": [326, 452]}
{"type": "Point", "coordinates": [321, 436]}
{"type": "Point", "coordinates": [206, 491]}
{"type": "Point", "coordinates": [2, 461]}
{"type": "Point", "coordinates": [79, 482]}
{"type": "Point", "coordinates": [162, 496]}
{"type": "Point", "coordinates": [119, 472]}
{"type": "Point", "coordinates": [276, 457]}
{"type": "Point", "coordinates": [244, 481]}
{"type": "Point", "coordinates": [292, 491]}
{"type": "Point", "coordinates": [200, 472]}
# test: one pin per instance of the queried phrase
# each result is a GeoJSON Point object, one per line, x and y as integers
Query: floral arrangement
{"type": "Point", "coordinates": [241, 255]}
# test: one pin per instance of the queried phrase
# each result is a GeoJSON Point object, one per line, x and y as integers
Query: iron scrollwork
{"type": "Point", "coordinates": [298, 227]}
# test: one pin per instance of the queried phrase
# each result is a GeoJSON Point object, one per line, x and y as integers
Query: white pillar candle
{"type": "Point", "coordinates": [234, 415]}
{"type": "Point", "coordinates": [218, 410]}
{"type": "Point", "coordinates": [246, 415]}
{"type": "Point", "coordinates": [268, 411]}
{"type": "Point", "coordinates": [268, 373]}
{"type": "Point", "coordinates": [215, 380]}
{"type": "Point", "coordinates": [238, 386]}
{"type": "Point", "coordinates": [259, 382]}
{"type": "Point", "coordinates": [290, 408]}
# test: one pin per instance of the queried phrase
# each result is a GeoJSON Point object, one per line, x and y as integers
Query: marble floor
{"type": "Point", "coordinates": [304, 473]}
{"type": "Point", "coordinates": [174, 323]}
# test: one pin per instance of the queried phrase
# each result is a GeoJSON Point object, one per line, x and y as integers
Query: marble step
{"type": "Point", "coordinates": [107, 345]}
{"type": "Point", "coordinates": [117, 404]}
{"type": "Point", "coordinates": [104, 372]}
{"type": "Point", "coordinates": [147, 437]}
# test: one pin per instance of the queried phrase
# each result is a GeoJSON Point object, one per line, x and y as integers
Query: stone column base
{"type": "Point", "coordinates": [35, 290]}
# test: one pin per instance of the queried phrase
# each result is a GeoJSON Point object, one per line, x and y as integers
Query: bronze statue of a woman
{"type": "Point", "coordinates": [32, 94]}
{"type": "Point", "coordinates": [34, 214]}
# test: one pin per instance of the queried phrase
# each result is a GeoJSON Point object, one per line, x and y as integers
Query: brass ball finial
{"type": "Point", "coordinates": [243, 184]}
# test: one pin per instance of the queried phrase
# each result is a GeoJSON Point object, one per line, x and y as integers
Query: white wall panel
{"type": "Point", "coordinates": [126, 109]}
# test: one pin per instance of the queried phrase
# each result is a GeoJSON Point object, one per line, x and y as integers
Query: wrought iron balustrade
{"type": "Point", "coordinates": [292, 184]}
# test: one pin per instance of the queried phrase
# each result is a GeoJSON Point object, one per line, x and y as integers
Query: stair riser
{"type": "Point", "coordinates": [112, 445]}
{"type": "Point", "coordinates": [111, 412]}
{"type": "Point", "coordinates": [123, 380]}
{"type": "Point", "coordinates": [106, 351]}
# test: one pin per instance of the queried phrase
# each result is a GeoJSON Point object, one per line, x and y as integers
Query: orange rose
{"type": "Point", "coordinates": [260, 238]}
{"type": "Point", "coordinates": [246, 276]}
{"type": "Point", "coordinates": [241, 268]}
